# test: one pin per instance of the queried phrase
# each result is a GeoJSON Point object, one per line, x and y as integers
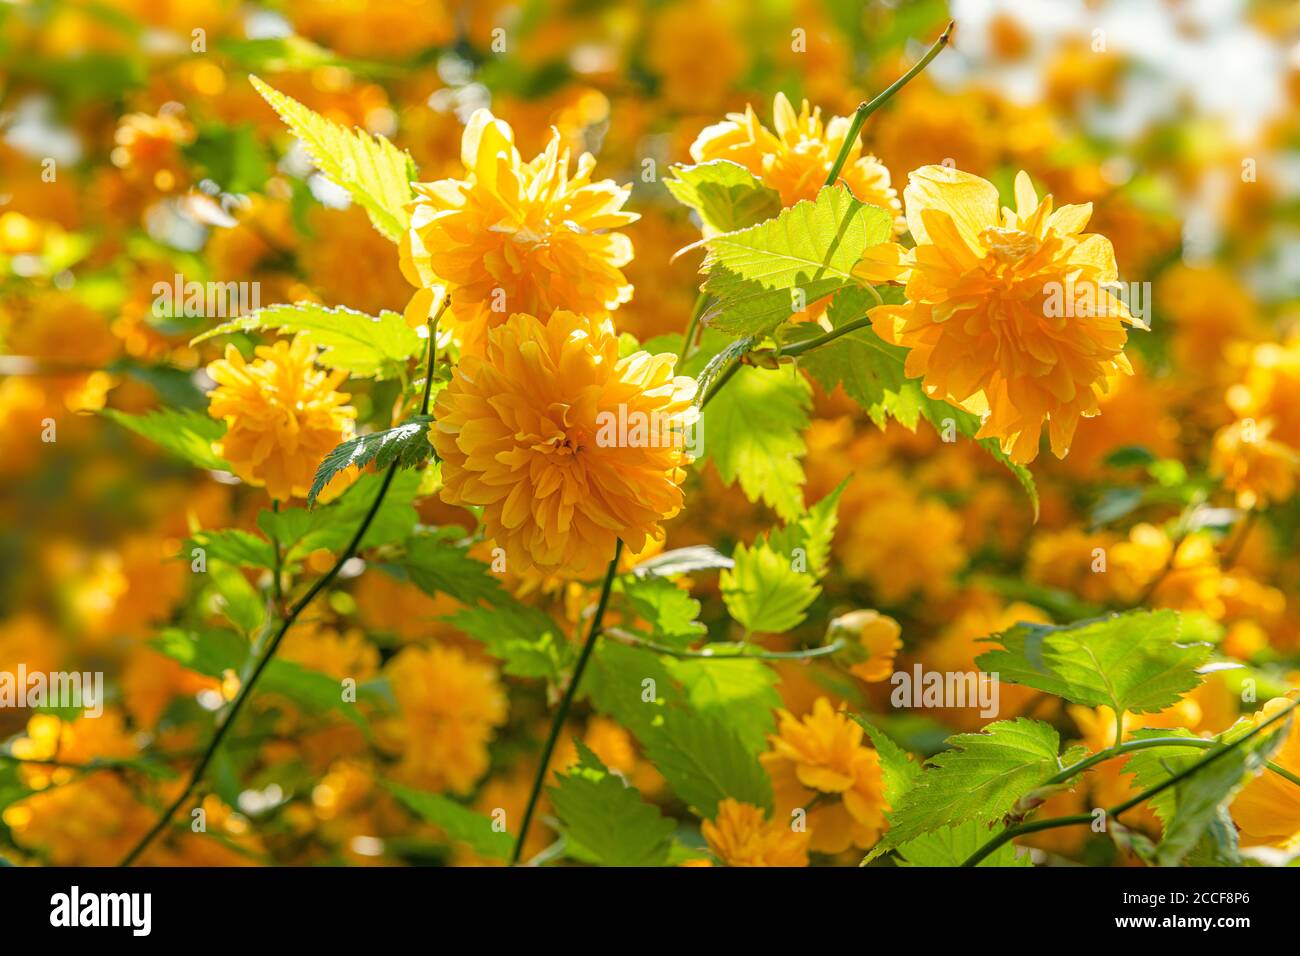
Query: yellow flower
{"type": "Point", "coordinates": [1270, 389]}
{"type": "Point", "coordinates": [1267, 810]}
{"type": "Point", "coordinates": [282, 415]}
{"type": "Point", "coordinates": [797, 158]}
{"type": "Point", "coordinates": [879, 637]}
{"type": "Point", "coordinates": [741, 836]}
{"type": "Point", "coordinates": [450, 708]}
{"type": "Point", "coordinates": [515, 236]}
{"type": "Point", "coordinates": [696, 51]}
{"type": "Point", "coordinates": [1009, 317]}
{"type": "Point", "coordinates": [823, 753]}
{"type": "Point", "coordinates": [1259, 469]}
{"type": "Point", "coordinates": [567, 447]}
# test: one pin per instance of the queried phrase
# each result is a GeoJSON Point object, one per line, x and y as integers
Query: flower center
{"type": "Point", "coordinates": [1008, 245]}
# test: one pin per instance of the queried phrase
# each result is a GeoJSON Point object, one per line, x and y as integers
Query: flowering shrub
{"type": "Point", "coordinates": [900, 475]}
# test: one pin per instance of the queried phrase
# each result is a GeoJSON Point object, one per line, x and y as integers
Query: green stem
{"type": "Point", "coordinates": [278, 570]}
{"type": "Point", "coordinates": [1217, 749]}
{"type": "Point", "coordinates": [866, 109]}
{"type": "Point", "coordinates": [433, 336]}
{"type": "Point", "coordinates": [688, 340]}
{"type": "Point", "coordinates": [246, 688]}
{"type": "Point", "coordinates": [557, 722]}
{"type": "Point", "coordinates": [808, 345]}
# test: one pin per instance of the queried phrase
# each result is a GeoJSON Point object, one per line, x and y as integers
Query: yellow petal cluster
{"type": "Point", "coordinates": [515, 236]}
{"type": "Point", "coordinates": [282, 415]}
{"type": "Point", "coordinates": [1013, 315]}
{"type": "Point", "coordinates": [566, 447]}
{"type": "Point", "coordinates": [741, 835]}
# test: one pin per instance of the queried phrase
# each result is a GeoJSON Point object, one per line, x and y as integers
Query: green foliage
{"type": "Point", "coordinates": [236, 598]}
{"type": "Point", "coordinates": [607, 818]}
{"type": "Point", "coordinates": [754, 432]}
{"type": "Point", "coordinates": [726, 195]}
{"type": "Point", "coordinates": [775, 580]}
{"type": "Point", "coordinates": [362, 345]}
{"type": "Point", "coordinates": [438, 566]}
{"type": "Point", "coordinates": [526, 641]}
{"type": "Point", "coordinates": [1139, 661]}
{"type": "Point", "coordinates": [669, 610]}
{"type": "Point", "coordinates": [810, 248]}
{"type": "Point", "coordinates": [374, 172]}
{"type": "Point", "coordinates": [980, 779]}
{"type": "Point", "coordinates": [300, 532]}
{"type": "Point", "coordinates": [232, 545]}
{"type": "Point", "coordinates": [896, 764]}
{"type": "Point", "coordinates": [703, 758]}
{"type": "Point", "coordinates": [186, 434]}
{"type": "Point", "coordinates": [952, 846]}
{"type": "Point", "coordinates": [740, 693]}
{"type": "Point", "coordinates": [459, 822]}
{"type": "Point", "coordinates": [407, 444]}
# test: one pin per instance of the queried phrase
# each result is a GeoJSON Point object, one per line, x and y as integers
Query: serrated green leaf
{"type": "Point", "coordinates": [236, 598]}
{"type": "Point", "coordinates": [187, 434]}
{"type": "Point", "coordinates": [952, 846]}
{"type": "Point", "coordinates": [1136, 661]}
{"type": "Point", "coordinates": [764, 592]}
{"type": "Point", "coordinates": [438, 566]}
{"type": "Point", "coordinates": [810, 247]}
{"type": "Point", "coordinates": [608, 818]}
{"type": "Point", "coordinates": [754, 433]}
{"type": "Point", "coordinates": [407, 444]}
{"type": "Point", "coordinates": [456, 820]}
{"type": "Point", "coordinates": [669, 611]}
{"type": "Point", "coordinates": [374, 172]}
{"type": "Point", "coordinates": [362, 345]}
{"type": "Point", "coordinates": [300, 532]}
{"type": "Point", "coordinates": [726, 195]}
{"type": "Point", "coordinates": [980, 779]}
{"type": "Point", "coordinates": [1192, 809]}
{"type": "Point", "coordinates": [896, 764]}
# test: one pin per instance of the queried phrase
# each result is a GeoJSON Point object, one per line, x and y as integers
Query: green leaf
{"type": "Point", "coordinates": [362, 345]}
{"type": "Point", "coordinates": [1193, 808]}
{"type": "Point", "coordinates": [896, 764]}
{"type": "Point", "coordinates": [457, 821]}
{"type": "Point", "coordinates": [811, 247]}
{"type": "Point", "coordinates": [374, 172]}
{"type": "Point", "coordinates": [236, 598]}
{"type": "Point", "coordinates": [607, 818]}
{"type": "Point", "coordinates": [704, 761]}
{"type": "Point", "coordinates": [437, 566]}
{"type": "Point", "coordinates": [407, 444]}
{"type": "Point", "coordinates": [754, 433]}
{"type": "Point", "coordinates": [234, 546]}
{"type": "Point", "coordinates": [526, 641]}
{"type": "Point", "coordinates": [952, 846]}
{"type": "Point", "coordinates": [868, 367]}
{"type": "Point", "coordinates": [1139, 661]}
{"type": "Point", "coordinates": [700, 755]}
{"type": "Point", "coordinates": [300, 532]}
{"type": "Point", "coordinates": [740, 693]}
{"type": "Point", "coordinates": [726, 195]}
{"type": "Point", "coordinates": [186, 434]}
{"type": "Point", "coordinates": [980, 779]}
{"type": "Point", "coordinates": [764, 592]}
{"type": "Point", "coordinates": [812, 533]}
{"type": "Point", "coordinates": [670, 611]}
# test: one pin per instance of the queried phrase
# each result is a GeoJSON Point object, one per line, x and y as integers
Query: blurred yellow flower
{"type": "Point", "coordinates": [1259, 469]}
{"type": "Point", "coordinates": [797, 158]}
{"type": "Point", "coordinates": [1010, 317]}
{"type": "Point", "coordinates": [879, 638]}
{"type": "Point", "coordinates": [823, 753]}
{"type": "Point", "coordinates": [740, 835]}
{"type": "Point", "coordinates": [567, 447]}
{"type": "Point", "coordinates": [282, 415]}
{"type": "Point", "coordinates": [1267, 810]}
{"type": "Point", "coordinates": [515, 236]}
{"type": "Point", "coordinates": [451, 706]}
